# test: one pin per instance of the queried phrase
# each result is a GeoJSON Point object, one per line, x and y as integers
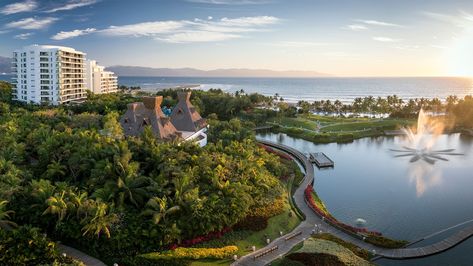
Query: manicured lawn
{"type": "Point", "coordinates": [340, 124]}
{"type": "Point", "coordinates": [366, 125]}
{"type": "Point", "coordinates": [298, 122]}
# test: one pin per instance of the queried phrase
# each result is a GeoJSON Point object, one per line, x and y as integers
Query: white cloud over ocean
{"type": "Point", "coordinates": [184, 31]}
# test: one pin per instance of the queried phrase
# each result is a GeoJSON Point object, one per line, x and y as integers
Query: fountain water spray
{"type": "Point", "coordinates": [422, 141]}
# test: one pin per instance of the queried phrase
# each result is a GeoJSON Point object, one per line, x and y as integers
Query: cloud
{"type": "Point", "coordinates": [379, 23]}
{"type": "Point", "coordinates": [72, 34]}
{"type": "Point", "coordinates": [300, 44]}
{"type": "Point", "coordinates": [72, 4]}
{"type": "Point", "coordinates": [197, 36]}
{"type": "Point", "coordinates": [23, 36]}
{"type": "Point", "coordinates": [31, 23]}
{"type": "Point", "coordinates": [182, 31]}
{"type": "Point", "coordinates": [230, 2]}
{"type": "Point", "coordinates": [355, 27]}
{"type": "Point", "coordinates": [145, 28]}
{"type": "Point", "coordinates": [25, 6]}
{"type": "Point", "coordinates": [385, 39]}
{"type": "Point", "coordinates": [461, 20]}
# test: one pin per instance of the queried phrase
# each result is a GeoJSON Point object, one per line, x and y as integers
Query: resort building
{"type": "Point", "coordinates": [185, 123]}
{"type": "Point", "coordinates": [45, 74]}
{"type": "Point", "coordinates": [99, 80]}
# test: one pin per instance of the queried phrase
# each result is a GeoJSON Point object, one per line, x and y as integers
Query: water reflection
{"type": "Point", "coordinates": [424, 176]}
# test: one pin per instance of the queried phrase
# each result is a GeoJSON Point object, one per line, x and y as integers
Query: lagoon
{"type": "Point", "coordinates": [401, 199]}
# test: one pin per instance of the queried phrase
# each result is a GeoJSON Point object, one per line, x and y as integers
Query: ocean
{"type": "Point", "coordinates": [311, 89]}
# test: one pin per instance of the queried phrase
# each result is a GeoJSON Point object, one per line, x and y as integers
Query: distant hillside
{"type": "Point", "coordinates": [136, 71]}
{"type": "Point", "coordinates": [5, 65]}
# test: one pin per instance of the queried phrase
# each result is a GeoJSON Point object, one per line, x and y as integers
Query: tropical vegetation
{"type": "Point", "coordinates": [71, 173]}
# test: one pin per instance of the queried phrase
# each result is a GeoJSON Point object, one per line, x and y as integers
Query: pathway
{"type": "Point", "coordinates": [80, 256]}
{"type": "Point", "coordinates": [308, 225]}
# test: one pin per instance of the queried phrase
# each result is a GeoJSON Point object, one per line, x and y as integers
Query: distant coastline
{"type": "Point", "coordinates": [321, 88]}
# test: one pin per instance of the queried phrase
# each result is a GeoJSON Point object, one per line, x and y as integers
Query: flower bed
{"type": "Point", "coordinates": [308, 192]}
{"type": "Point", "coordinates": [193, 253]}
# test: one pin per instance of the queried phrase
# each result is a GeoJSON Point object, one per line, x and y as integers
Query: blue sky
{"type": "Point", "coordinates": [345, 38]}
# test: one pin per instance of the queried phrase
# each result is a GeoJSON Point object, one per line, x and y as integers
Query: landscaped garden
{"type": "Point", "coordinates": [325, 249]}
{"type": "Point", "coordinates": [69, 173]}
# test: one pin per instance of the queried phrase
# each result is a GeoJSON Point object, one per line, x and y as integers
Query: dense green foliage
{"type": "Point", "coordinates": [70, 171]}
{"type": "Point", "coordinates": [28, 246]}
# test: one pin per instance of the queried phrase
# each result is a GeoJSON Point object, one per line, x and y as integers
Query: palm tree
{"type": "Point", "coordinates": [159, 208]}
{"type": "Point", "coordinates": [124, 188]}
{"type": "Point", "coordinates": [57, 206]}
{"type": "Point", "coordinates": [101, 222]}
{"type": "Point", "coordinates": [5, 217]}
{"type": "Point", "coordinates": [55, 169]}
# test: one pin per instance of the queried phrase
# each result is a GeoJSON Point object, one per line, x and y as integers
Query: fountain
{"type": "Point", "coordinates": [422, 141]}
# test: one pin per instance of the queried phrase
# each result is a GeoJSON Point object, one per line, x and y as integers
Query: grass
{"type": "Point", "coordinates": [384, 124]}
{"type": "Point", "coordinates": [297, 122]}
{"type": "Point", "coordinates": [336, 129]}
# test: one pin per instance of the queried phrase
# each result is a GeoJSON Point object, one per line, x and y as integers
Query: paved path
{"type": "Point", "coordinates": [306, 227]}
{"type": "Point", "coordinates": [80, 256]}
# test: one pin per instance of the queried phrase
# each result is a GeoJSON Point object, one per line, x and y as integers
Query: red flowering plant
{"type": "Point", "coordinates": [311, 202]}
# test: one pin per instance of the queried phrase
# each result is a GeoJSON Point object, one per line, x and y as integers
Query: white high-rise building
{"type": "Point", "coordinates": [49, 74]}
{"type": "Point", "coordinates": [99, 80]}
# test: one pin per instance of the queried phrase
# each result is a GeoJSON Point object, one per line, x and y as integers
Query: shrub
{"type": "Point", "coordinates": [318, 207]}
{"type": "Point", "coordinates": [252, 223]}
{"type": "Point", "coordinates": [385, 242]}
{"type": "Point", "coordinates": [193, 253]}
{"type": "Point", "coordinates": [316, 259]}
{"type": "Point", "coordinates": [28, 246]}
{"type": "Point", "coordinates": [269, 210]}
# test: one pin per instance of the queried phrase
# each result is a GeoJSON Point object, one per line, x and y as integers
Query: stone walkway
{"type": "Point", "coordinates": [308, 225]}
{"type": "Point", "coordinates": [80, 256]}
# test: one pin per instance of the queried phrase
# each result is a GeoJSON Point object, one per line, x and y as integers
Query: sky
{"type": "Point", "coordinates": [337, 37]}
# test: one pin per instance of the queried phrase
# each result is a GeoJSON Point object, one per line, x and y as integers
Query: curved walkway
{"type": "Point", "coordinates": [80, 256]}
{"type": "Point", "coordinates": [305, 227]}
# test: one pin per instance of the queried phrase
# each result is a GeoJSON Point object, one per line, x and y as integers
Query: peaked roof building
{"type": "Point", "coordinates": [184, 116]}
{"type": "Point", "coordinates": [185, 123]}
{"type": "Point", "coordinates": [148, 113]}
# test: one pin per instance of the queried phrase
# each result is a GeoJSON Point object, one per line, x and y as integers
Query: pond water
{"type": "Point", "coordinates": [402, 199]}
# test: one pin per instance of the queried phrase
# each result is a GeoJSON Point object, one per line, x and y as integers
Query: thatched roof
{"type": "Point", "coordinates": [184, 117]}
{"type": "Point", "coordinates": [148, 113]}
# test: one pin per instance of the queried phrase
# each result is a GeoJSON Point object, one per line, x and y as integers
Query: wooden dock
{"type": "Point", "coordinates": [321, 160]}
{"type": "Point", "coordinates": [445, 244]}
